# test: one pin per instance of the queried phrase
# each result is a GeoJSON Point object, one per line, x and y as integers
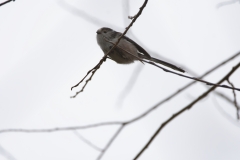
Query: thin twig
{"type": "Point", "coordinates": [110, 141]}
{"type": "Point", "coordinates": [193, 78]}
{"type": "Point", "coordinates": [86, 82]}
{"type": "Point", "coordinates": [87, 141]}
{"type": "Point", "coordinates": [93, 70]}
{"type": "Point", "coordinates": [184, 109]}
{"type": "Point", "coordinates": [234, 99]}
{"type": "Point", "coordinates": [1, 4]}
{"type": "Point", "coordinates": [60, 128]}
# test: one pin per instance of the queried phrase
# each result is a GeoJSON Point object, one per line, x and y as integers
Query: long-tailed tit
{"type": "Point", "coordinates": [127, 51]}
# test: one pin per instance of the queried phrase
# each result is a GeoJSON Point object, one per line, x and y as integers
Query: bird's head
{"type": "Point", "coordinates": [104, 30]}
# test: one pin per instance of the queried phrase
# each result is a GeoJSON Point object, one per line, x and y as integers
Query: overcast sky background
{"type": "Point", "coordinates": [47, 46]}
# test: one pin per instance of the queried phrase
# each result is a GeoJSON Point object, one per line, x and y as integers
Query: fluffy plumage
{"type": "Point", "coordinates": [127, 51]}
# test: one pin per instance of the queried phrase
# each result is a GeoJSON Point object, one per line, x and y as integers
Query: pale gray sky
{"type": "Point", "coordinates": [47, 46]}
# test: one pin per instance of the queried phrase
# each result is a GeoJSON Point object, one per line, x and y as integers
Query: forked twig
{"type": "Point", "coordinates": [89, 79]}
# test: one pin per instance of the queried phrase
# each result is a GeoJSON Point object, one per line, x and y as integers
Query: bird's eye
{"type": "Point", "coordinates": [104, 31]}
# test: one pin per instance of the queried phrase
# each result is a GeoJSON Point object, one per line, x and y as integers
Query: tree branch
{"type": "Point", "coordinates": [61, 128]}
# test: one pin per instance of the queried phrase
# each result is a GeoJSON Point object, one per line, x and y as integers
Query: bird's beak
{"type": "Point", "coordinates": [98, 31]}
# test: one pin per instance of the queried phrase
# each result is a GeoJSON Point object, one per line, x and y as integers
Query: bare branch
{"type": "Point", "coordinates": [184, 109]}
{"type": "Point", "coordinates": [86, 82]}
{"type": "Point", "coordinates": [1, 4]}
{"type": "Point", "coordinates": [93, 70]}
{"type": "Point", "coordinates": [61, 129]}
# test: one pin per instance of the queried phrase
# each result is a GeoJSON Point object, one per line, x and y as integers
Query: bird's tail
{"type": "Point", "coordinates": [163, 63]}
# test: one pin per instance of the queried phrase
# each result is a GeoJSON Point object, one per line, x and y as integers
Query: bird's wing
{"type": "Point", "coordinates": [139, 48]}
{"type": "Point", "coordinates": [114, 35]}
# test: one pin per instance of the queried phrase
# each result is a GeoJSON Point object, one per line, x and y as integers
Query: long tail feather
{"type": "Point", "coordinates": [163, 63]}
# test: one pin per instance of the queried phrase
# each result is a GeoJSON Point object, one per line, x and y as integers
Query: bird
{"type": "Point", "coordinates": [127, 51]}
